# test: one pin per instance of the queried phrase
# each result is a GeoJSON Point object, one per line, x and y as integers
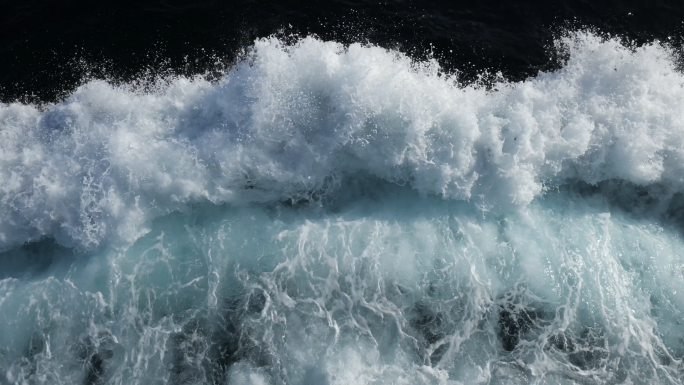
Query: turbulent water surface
{"type": "Point", "coordinates": [331, 214]}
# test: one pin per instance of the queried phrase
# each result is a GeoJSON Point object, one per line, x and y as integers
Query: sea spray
{"type": "Point", "coordinates": [330, 214]}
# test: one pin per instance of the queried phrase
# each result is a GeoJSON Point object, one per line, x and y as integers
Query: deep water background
{"type": "Point", "coordinates": [317, 193]}
{"type": "Point", "coordinates": [48, 48]}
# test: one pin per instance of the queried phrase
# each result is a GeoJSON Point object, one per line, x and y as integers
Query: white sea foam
{"type": "Point", "coordinates": [294, 119]}
{"type": "Point", "coordinates": [168, 245]}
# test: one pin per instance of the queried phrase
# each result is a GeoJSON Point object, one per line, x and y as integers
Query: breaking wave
{"type": "Point", "coordinates": [327, 214]}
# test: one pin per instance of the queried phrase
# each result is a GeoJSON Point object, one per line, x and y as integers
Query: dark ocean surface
{"type": "Point", "coordinates": [318, 193]}
{"type": "Point", "coordinates": [45, 44]}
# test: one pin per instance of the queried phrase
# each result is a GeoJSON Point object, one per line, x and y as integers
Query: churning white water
{"type": "Point", "coordinates": [343, 215]}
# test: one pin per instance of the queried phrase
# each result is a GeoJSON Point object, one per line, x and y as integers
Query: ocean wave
{"type": "Point", "coordinates": [291, 121]}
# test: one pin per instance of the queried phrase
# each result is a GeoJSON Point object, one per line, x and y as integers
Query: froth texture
{"type": "Point", "coordinates": [343, 215]}
{"type": "Point", "coordinates": [290, 122]}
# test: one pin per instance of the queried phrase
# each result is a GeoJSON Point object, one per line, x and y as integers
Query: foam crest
{"type": "Point", "coordinates": [290, 122]}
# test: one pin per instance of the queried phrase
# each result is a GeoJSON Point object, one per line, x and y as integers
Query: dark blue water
{"type": "Point", "coordinates": [303, 192]}
{"type": "Point", "coordinates": [48, 48]}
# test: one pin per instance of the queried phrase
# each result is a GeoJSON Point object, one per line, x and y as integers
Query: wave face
{"type": "Point", "coordinates": [326, 214]}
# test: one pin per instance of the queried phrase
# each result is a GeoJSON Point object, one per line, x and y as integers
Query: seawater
{"type": "Point", "coordinates": [329, 214]}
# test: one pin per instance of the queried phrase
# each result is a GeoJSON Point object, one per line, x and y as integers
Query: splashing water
{"type": "Point", "coordinates": [326, 214]}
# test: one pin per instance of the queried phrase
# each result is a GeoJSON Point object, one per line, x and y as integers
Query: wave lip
{"type": "Point", "coordinates": [291, 121]}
